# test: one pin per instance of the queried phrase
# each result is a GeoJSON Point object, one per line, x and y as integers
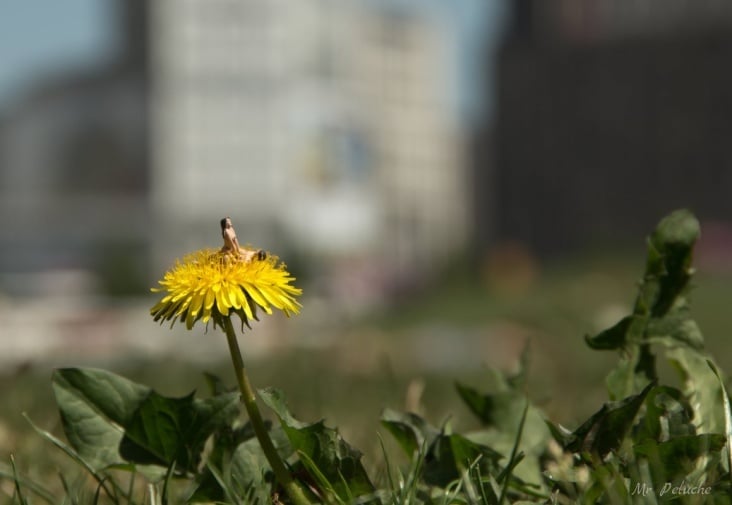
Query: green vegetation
{"type": "Point", "coordinates": [663, 435]}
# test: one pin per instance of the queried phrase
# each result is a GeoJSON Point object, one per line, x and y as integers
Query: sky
{"type": "Point", "coordinates": [42, 37]}
{"type": "Point", "coordinates": [481, 25]}
{"type": "Point", "coordinates": [39, 38]}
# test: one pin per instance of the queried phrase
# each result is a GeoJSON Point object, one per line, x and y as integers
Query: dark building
{"type": "Point", "coordinates": [605, 123]}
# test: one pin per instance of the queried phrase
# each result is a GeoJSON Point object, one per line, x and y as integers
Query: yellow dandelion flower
{"type": "Point", "coordinates": [210, 285]}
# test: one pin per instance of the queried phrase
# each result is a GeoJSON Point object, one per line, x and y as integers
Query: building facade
{"type": "Point", "coordinates": [322, 126]}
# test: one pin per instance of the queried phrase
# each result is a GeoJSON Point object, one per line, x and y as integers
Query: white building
{"type": "Point", "coordinates": [325, 126]}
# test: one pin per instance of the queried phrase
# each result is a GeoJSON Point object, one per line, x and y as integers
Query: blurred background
{"type": "Point", "coordinates": [449, 181]}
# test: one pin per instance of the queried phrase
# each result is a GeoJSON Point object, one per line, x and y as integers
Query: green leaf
{"type": "Point", "coordinates": [501, 413]}
{"type": "Point", "coordinates": [155, 433]}
{"type": "Point", "coordinates": [674, 239]}
{"type": "Point", "coordinates": [668, 265]}
{"type": "Point", "coordinates": [668, 414]}
{"type": "Point", "coordinates": [166, 430]}
{"type": "Point", "coordinates": [562, 435]}
{"type": "Point", "coordinates": [676, 458]}
{"type": "Point", "coordinates": [215, 385]}
{"type": "Point", "coordinates": [446, 457]}
{"type": "Point", "coordinates": [727, 415]}
{"type": "Point", "coordinates": [450, 455]}
{"type": "Point", "coordinates": [482, 405]}
{"type": "Point", "coordinates": [702, 388]}
{"type": "Point", "coordinates": [243, 471]}
{"type": "Point", "coordinates": [332, 456]}
{"type": "Point", "coordinates": [411, 431]}
{"type": "Point", "coordinates": [612, 338]}
{"type": "Point", "coordinates": [517, 382]}
{"type": "Point", "coordinates": [95, 405]}
{"type": "Point", "coordinates": [504, 411]}
{"type": "Point", "coordinates": [675, 327]}
{"type": "Point", "coordinates": [622, 381]}
{"type": "Point", "coordinates": [606, 430]}
{"type": "Point", "coordinates": [110, 420]}
{"type": "Point", "coordinates": [661, 311]}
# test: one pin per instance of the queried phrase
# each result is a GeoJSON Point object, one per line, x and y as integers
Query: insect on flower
{"type": "Point", "coordinates": [231, 243]}
{"type": "Point", "coordinates": [211, 284]}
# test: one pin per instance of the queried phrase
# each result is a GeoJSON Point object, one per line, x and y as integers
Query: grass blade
{"type": "Point", "coordinates": [228, 494]}
{"type": "Point", "coordinates": [73, 455]}
{"type": "Point", "coordinates": [16, 480]}
{"type": "Point", "coordinates": [330, 493]}
{"type": "Point", "coordinates": [388, 469]}
{"type": "Point", "coordinates": [98, 493]}
{"type": "Point", "coordinates": [512, 462]}
{"type": "Point", "coordinates": [131, 487]}
{"type": "Point", "coordinates": [166, 483]}
{"type": "Point", "coordinates": [29, 485]}
{"type": "Point", "coordinates": [153, 493]}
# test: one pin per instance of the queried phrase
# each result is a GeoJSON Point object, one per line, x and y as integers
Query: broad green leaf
{"type": "Point", "coordinates": [166, 430]}
{"type": "Point", "coordinates": [95, 405]}
{"type": "Point", "coordinates": [155, 434]}
{"type": "Point", "coordinates": [115, 397]}
{"type": "Point", "coordinates": [249, 469]}
{"type": "Point", "coordinates": [322, 447]}
{"type": "Point", "coordinates": [110, 420]}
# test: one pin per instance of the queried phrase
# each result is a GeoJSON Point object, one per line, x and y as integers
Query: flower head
{"type": "Point", "coordinates": [211, 284]}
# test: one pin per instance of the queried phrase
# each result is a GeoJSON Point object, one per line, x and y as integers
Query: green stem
{"type": "Point", "coordinates": [294, 491]}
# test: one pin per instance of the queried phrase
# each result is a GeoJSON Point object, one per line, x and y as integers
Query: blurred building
{"type": "Point", "coordinates": [610, 114]}
{"type": "Point", "coordinates": [326, 129]}
{"type": "Point", "coordinates": [323, 127]}
{"type": "Point", "coordinates": [73, 165]}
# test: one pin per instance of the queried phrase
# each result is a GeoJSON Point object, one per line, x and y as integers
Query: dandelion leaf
{"type": "Point", "coordinates": [330, 461]}
{"type": "Point", "coordinates": [110, 420]}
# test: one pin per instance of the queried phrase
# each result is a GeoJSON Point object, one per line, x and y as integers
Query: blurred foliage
{"type": "Point", "coordinates": [120, 268]}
